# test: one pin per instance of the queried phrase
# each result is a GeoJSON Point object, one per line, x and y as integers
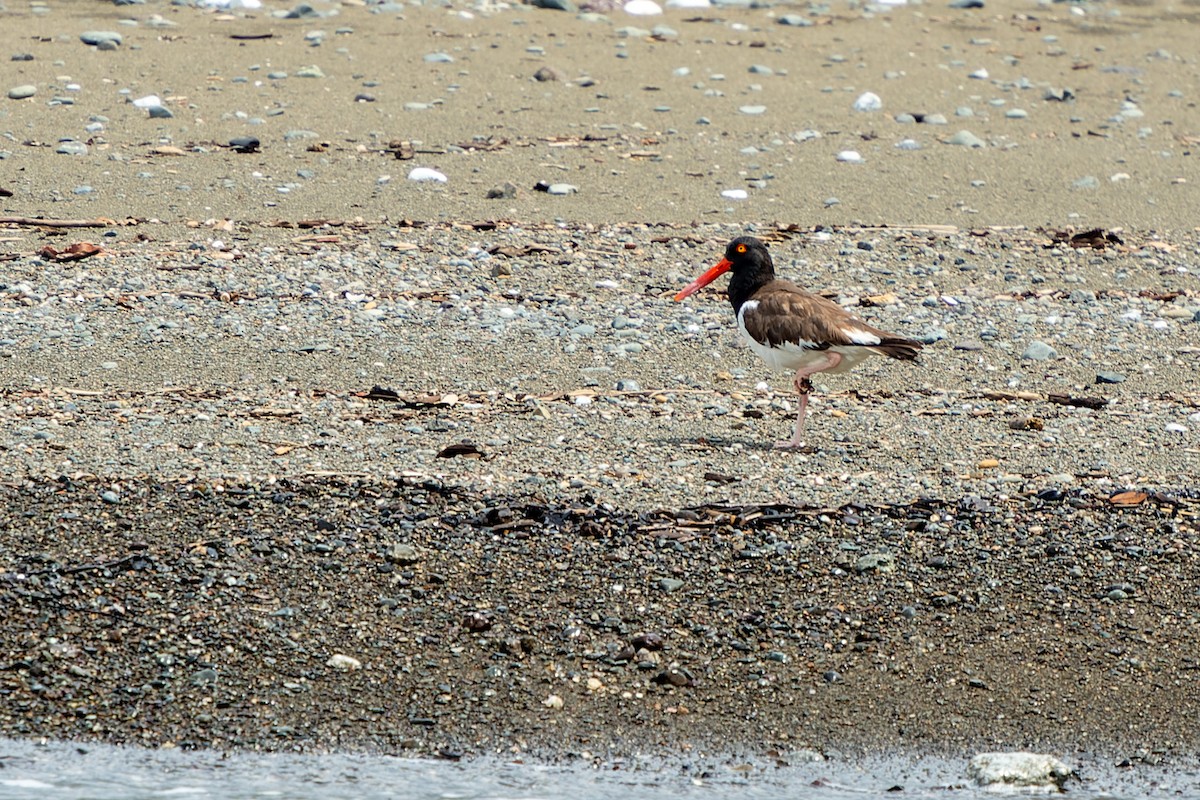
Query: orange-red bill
{"type": "Point", "coordinates": [717, 270]}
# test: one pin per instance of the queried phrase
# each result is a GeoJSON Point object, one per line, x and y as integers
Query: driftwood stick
{"type": "Point", "coordinates": [58, 223]}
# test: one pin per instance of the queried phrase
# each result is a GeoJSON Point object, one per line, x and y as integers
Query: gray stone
{"type": "Point", "coordinates": [302, 11]}
{"type": "Point", "coordinates": [965, 138]}
{"type": "Point", "coordinates": [505, 191]}
{"type": "Point", "coordinates": [1109, 377]}
{"type": "Point", "coordinates": [311, 71]}
{"type": "Point", "coordinates": [21, 92]}
{"type": "Point", "coordinates": [555, 5]}
{"type": "Point", "coordinates": [795, 20]}
{"type": "Point", "coordinates": [438, 58]}
{"type": "Point", "coordinates": [876, 562]}
{"type": "Point", "coordinates": [72, 148]}
{"type": "Point", "coordinates": [159, 112]}
{"type": "Point", "coordinates": [1039, 351]}
{"type": "Point", "coordinates": [669, 585]}
{"type": "Point", "coordinates": [562, 189]}
{"type": "Point", "coordinates": [403, 554]}
{"type": "Point", "coordinates": [96, 37]}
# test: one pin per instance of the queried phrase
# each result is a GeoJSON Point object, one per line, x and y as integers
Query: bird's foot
{"type": "Point", "coordinates": [791, 444]}
{"type": "Point", "coordinates": [803, 386]}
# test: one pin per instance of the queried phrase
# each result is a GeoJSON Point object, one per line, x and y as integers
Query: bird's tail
{"type": "Point", "coordinates": [897, 347]}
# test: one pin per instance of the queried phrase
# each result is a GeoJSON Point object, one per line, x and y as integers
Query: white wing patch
{"type": "Point", "coordinates": [862, 337]}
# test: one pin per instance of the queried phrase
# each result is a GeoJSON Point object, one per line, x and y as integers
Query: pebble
{"type": "Point", "coordinates": [562, 189]}
{"type": "Point", "coordinates": [735, 194]}
{"type": "Point", "coordinates": [642, 8]}
{"type": "Point", "coordinates": [72, 148]}
{"type": "Point", "coordinates": [101, 37]}
{"type": "Point", "coordinates": [1110, 377]}
{"type": "Point", "coordinates": [1014, 771]}
{"type": "Point", "coordinates": [1039, 351]}
{"type": "Point", "coordinates": [345, 663]}
{"type": "Point", "coordinates": [752, 111]}
{"type": "Point", "coordinates": [966, 139]}
{"type": "Point", "coordinates": [868, 101]}
{"type": "Point", "coordinates": [22, 92]}
{"type": "Point", "coordinates": [850, 157]}
{"type": "Point", "coordinates": [425, 174]}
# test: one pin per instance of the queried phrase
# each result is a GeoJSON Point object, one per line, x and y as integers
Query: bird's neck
{"type": "Point", "coordinates": [742, 287]}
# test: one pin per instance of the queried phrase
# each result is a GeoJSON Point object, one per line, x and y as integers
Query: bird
{"type": "Point", "coordinates": [792, 329]}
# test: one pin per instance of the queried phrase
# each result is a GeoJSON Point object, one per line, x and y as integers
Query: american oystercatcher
{"type": "Point", "coordinates": [790, 328]}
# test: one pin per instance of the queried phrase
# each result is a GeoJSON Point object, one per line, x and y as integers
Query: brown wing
{"type": "Point", "coordinates": [788, 314]}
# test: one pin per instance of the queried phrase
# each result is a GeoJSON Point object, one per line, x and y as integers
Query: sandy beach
{"type": "Point", "coordinates": [302, 454]}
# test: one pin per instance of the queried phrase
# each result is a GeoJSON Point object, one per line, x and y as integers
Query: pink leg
{"type": "Point", "coordinates": [803, 388]}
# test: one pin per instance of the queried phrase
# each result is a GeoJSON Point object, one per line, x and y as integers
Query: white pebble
{"type": "Point", "coordinates": [735, 194]}
{"type": "Point", "coordinates": [554, 701]}
{"type": "Point", "coordinates": [149, 101]}
{"type": "Point", "coordinates": [426, 174]}
{"type": "Point", "coordinates": [850, 157]}
{"type": "Point", "coordinates": [342, 662]}
{"type": "Point", "coordinates": [643, 8]}
{"type": "Point", "coordinates": [1175, 427]}
{"type": "Point", "coordinates": [868, 101]}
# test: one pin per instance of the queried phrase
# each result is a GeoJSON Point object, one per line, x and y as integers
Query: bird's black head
{"type": "Point", "coordinates": [749, 261]}
{"type": "Point", "coordinates": [747, 254]}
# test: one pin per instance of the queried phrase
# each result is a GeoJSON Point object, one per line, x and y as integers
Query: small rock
{"type": "Point", "coordinates": [562, 189]}
{"type": "Point", "coordinates": [110, 497]}
{"type": "Point", "coordinates": [868, 101]}
{"type": "Point", "coordinates": [343, 662]}
{"type": "Point", "coordinates": [99, 37]}
{"type": "Point", "coordinates": [753, 111]}
{"type": "Point", "coordinates": [425, 174]}
{"type": "Point", "coordinates": [1039, 351]}
{"type": "Point", "coordinates": [21, 92]}
{"type": "Point", "coordinates": [311, 71]}
{"type": "Point", "coordinates": [403, 554]}
{"type": "Point", "coordinates": [643, 8]}
{"type": "Point", "coordinates": [795, 20]}
{"type": "Point", "coordinates": [876, 562]}
{"type": "Point", "coordinates": [1109, 377]}
{"type": "Point", "coordinates": [850, 157]}
{"type": "Point", "coordinates": [965, 138]}
{"type": "Point", "coordinates": [1011, 770]}
{"type": "Point", "coordinates": [735, 194]}
{"type": "Point", "coordinates": [547, 74]}
{"type": "Point", "coordinates": [505, 191]}
{"type": "Point", "coordinates": [669, 585]}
